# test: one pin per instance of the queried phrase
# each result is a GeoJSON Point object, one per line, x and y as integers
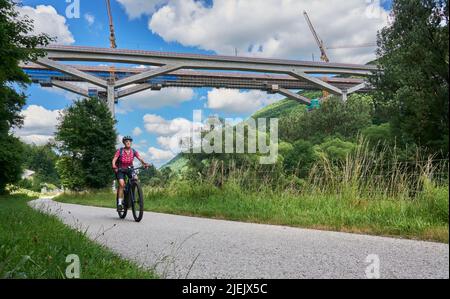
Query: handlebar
{"type": "Point", "coordinates": [130, 169]}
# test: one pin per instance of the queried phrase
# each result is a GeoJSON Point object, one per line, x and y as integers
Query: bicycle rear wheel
{"type": "Point", "coordinates": [137, 202]}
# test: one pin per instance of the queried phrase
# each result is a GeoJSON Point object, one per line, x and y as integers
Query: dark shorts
{"type": "Point", "coordinates": [120, 175]}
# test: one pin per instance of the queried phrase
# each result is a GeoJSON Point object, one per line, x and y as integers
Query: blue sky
{"type": "Point", "coordinates": [209, 27]}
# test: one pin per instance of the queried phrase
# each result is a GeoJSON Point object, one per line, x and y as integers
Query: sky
{"type": "Point", "coordinates": [256, 28]}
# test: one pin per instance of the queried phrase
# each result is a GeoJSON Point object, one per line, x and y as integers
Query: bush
{"type": "Point", "coordinates": [25, 184]}
{"type": "Point", "coordinates": [378, 135]}
{"type": "Point", "coordinates": [300, 159]}
{"type": "Point", "coordinates": [335, 149]}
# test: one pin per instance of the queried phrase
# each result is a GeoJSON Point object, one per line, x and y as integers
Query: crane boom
{"type": "Point", "coordinates": [323, 53]}
{"type": "Point", "coordinates": [112, 36]}
{"type": "Point", "coordinates": [366, 45]}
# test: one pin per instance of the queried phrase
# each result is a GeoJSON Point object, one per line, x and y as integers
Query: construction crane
{"type": "Point", "coordinates": [112, 36]}
{"type": "Point", "coordinates": [323, 53]}
{"type": "Point", "coordinates": [366, 45]}
{"type": "Point", "coordinates": [112, 41]}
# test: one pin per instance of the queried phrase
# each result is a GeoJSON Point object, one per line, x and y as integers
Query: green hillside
{"type": "Point", "coordinates": [176, 164]}
{"type": "Point", "coordinates": [275, 110]}
{"type": "Point", "coordinates": [285, 107]}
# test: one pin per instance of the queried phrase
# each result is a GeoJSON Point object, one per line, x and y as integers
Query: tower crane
{"type": "Point", "coordinates": [366, 45]}
{"type": "Point", "coordinates": [112, 40]}
{"type": "Point", "coordinates": [323, 53]}
{"type": "Point", "coordinates": [112, 36]}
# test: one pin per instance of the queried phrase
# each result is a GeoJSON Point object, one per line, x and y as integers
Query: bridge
{"type": "Point", "coordinates": [163, 70]}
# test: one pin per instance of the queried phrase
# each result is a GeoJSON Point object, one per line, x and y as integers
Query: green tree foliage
{"type": "Point", "coordinates": [333, 118]}
{"type": "Point", "coordinates": [86, 137]}
{"type": "Point", "coordinates": [72, 174]}
{"type": "Point", "coordinates": [413, 87]}
{"type": "Point", "coordinates": [16, 44]}
{"type": "Point", "coordinates": [42, 160]}
{"type": "Point", "coordinates": [377, 135]}
{"type": "Point", "coordinates": [11, 157]}
{"type": "Point", "coordinates": [147, 175]}
{"type": "Point", "coordinates": [335, 149]}
{"type": "Point", "coordinates": [300, 159]}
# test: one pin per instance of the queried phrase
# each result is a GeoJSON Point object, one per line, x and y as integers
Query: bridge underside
{"type": "Point", "coordinates": [178, 70]}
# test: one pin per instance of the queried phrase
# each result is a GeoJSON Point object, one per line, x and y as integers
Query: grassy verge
{"type": "Point", "coordinates": [424, 218]}
{"type": "Point", "coordinates": [35, 245]}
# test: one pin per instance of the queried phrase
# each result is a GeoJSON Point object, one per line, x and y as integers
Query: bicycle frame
{"type": "Point", "coordinates": [131, 171]}
{"type": "Point", "coordinates": [131, 200]}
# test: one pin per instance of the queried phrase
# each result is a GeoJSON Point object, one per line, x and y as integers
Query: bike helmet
{"type": "Point", "coordinates": [127, 138]}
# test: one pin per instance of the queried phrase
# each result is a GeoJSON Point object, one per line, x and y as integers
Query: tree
{"type": "Point", "coordinates": [17, 43]}
{"type": "Point", "coordinates": [333, 118]}
{"type": "Point", "coordinates": [11, 157]}
{"type": "Point", "coordinates": [145, 177]}
{"type": "Point", "coordinates": [42, 160]}
{"type": "Point", "coordinates": [71, 172]}
{"type": "Point", "coordinates": [412, 90]}
{"type": "Point", "coordinates": [86, 137]}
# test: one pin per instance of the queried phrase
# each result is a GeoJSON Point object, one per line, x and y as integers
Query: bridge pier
{"type": "Point", "coordinates": [344, 96]}
{"type": "Point", "coordinates": [111, 99]}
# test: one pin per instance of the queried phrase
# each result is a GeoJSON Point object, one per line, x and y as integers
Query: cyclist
{"type": "Point", "coordinates": [123, 159]}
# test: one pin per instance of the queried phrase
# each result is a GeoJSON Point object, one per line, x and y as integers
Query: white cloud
{"type": "Point", "coordinates": [235, 101]}
{"type": "Point", "coordinates": [90, 19]}
{"type": "Point", "coordinates": [158, 125]}
{"type": "Point", "coordinates": [270, 28]}
{"type": "Point", "coordinates": [137, 8]}
{"type": "Point", "coordinates": [143, 143]}
{"type": "Point", "coordinates": [47, 20]}
{"type": "Point", "coordinates": [155, 99]}
{"type": "Point", "coordinates": [170, 133]}
{"type": "Point", "coordinates": [158, 155]}
{"type": "Point", "coordinates": [39, 125]}
{"type": "Point", "coordinates": [36, 139]}
{"type": "Point", "coordinates": [137, 132]}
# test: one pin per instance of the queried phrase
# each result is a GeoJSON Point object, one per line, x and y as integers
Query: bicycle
{"type": "Point", "coordinates": [131, 186]}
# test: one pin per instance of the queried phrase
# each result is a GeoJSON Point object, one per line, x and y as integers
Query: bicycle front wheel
{"type": "Point", "coordinates": [137, 202]}
{"type": "Point", "coordinates": [122, 213]}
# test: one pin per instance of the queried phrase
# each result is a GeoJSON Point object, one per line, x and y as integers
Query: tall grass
{"type": "Point", "coordinates": [377, 173]}
{"type": "Point", "coordinates": [371, 191]}
{"type": "Point", "coordinates": [368, 172]}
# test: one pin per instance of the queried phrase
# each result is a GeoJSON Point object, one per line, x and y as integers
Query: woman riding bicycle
{"type": "Point", "coordinates": [122, 160]}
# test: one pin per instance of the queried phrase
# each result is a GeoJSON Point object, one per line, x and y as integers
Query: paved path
{"type": "Point", "coordinates": [180, 247]}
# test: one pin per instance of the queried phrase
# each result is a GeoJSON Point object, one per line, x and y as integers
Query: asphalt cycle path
{"type": "Point", "coordinates": [190, 247]}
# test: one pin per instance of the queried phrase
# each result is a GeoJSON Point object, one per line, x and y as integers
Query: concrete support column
{"type": "Point", "coordinates": [111, 99]}
{"type": "Point", "coordinates": [344, 96]}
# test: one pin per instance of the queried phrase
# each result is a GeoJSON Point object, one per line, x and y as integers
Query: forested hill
{"type": "Point", "coordinates": [284, 107]}
{"type": "Point", "coordinates": [279, 109]}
